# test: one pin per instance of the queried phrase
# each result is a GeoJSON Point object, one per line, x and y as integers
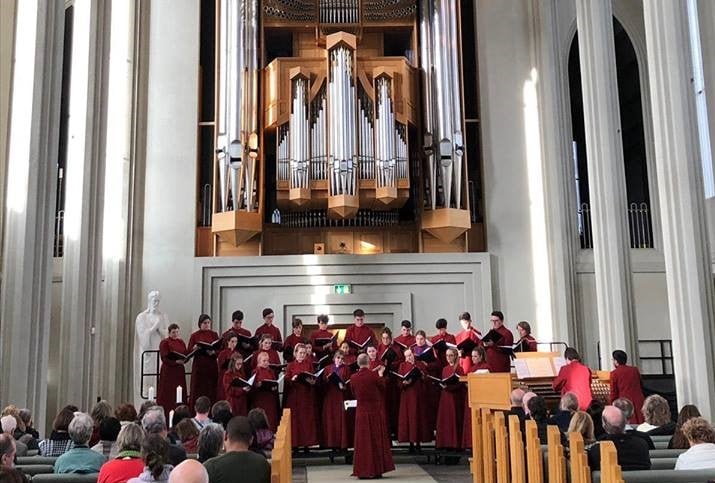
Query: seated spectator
{"type": "Point", "coordinates": [146, 405]}
{"type": "Point", "coordinates": [190, 471]}
{"type": "Point", "coordinates": [108, 432]}
{"type": "Point", "coordinates": [12, 475]}
{"type": "Point", "coordinates": [181, 412]}
{"type": "Point", "coordinates": [80, 459]}
{"type": "Point", "coordinates": [202, 406]}
{"type": "Point", "coordinates": [155, 454]}
{"type": "Point", "coordinates": [627, 409]}
{"type": "Point", "coordinates": [679, 441]}
{"type": "Point", "coordinates": [632, 450]}
{"type": "Point", "coordinates": [517, 405]}
{"type": "Point", "coordinates": [595, 409]}
{"type": "Point", "coordinates": [656, 413]}
{"type": "Point", "coordinates": [101, 411]}
{"type": "Point", "coordinates": [263, 437]}
{"type": "Point", "coordinates": [29, 434]}
{"type": "Point", "coordinates": [582, 423]}
{"type": "Point", "coordinates": [539, 413]}
{"type": "Point", "coordinates": [59, 441]}
{"type": "Point", "coordinates": [154, 422]}
{"type": "Point", "coordinates": [701, 437]}
{"type": "Point", "coordinates": [256, 469]}
{"type": "Point", "coordinates": [210, 442]}
{"type": "Point", "coordinates": [126, 413]}
{"type": "Point", "coordinates": [9, 424]}
{"type": "Point", "coordinates": [567, 407]}
{"type": "Point", "coordinates": [128, 463]}
{"type": "Point", "coordinates": [7, 451]}
{"type": "Point", "coordinates": [188, 435]}
{"type": "Point", "coordinates": [221, 413]}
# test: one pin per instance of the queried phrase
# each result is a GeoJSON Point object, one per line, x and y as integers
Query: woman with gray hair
{"type": "Point", "coordinates": [210, 441]}
{"type": "Point", "coordinates": [80, 459]}
{"type": "Point", "coordinates": [128, 463]}
{"type": "Point", "coordinates": [656, 413]}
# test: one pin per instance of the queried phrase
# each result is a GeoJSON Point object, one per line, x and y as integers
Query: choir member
{"type": "Point", "coordinates": [527, 342]}
{"type": "Point", "coordinates": [322, 340]}
{"type": "Point", "coordinates": [451, 405]}
{"type": "Point", "coordinates": [236, 395]}
{"type": "Point", "coordinates": [204, 368]}
{"type": "Point", "coordinates": [349, 358]}
{"type": "Point", "coordinates": [499, 360]}
{"type": "Point", "coordinates": [373, 455]}
{"type": "Point", "coordinates": [294, 339]}
{"type": "Point", "coordinates": [335, 431]}
{"type": "Point", "coordinates": [300, 388]}
{"type": "Point", "coordinates": [224, 360]}
{"type": "Point", "coordinates": [442, 335]}
{"type": "Point", "coordinates": [172, 370]}
{"type": "Point", "coordinates": [574, 377]}
{"type": "Point", "coordinates": [392, 389]}
{"type": "Point", "coordinates": [386, 342]}
{"type": "Point", "coordinates": [413, 410]}
{"type": "Point", "coordinates": [421, 349]}
{"type": "Point", "coordinates": [245, 348]}
{"type": "Point", "coordinates": [264, 393]}
{"type": "Point", "coordinates": [467, 340]}
{"type": "Point", "coordinates": [478, 363]}
{"type": "Point", "coordinates": [372, 355]}
{"type": "Point", "coordinates": [269, 328]}
{"type": "Point", "coordinates": [265, 345]}
{"type": "Point", "coordinates": [359, 336]}
{"type": "Point", "coordinates": [405, 340]}
{"type": "Point", "coordinates": [626, 383]}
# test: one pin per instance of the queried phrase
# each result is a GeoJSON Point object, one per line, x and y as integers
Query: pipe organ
{"type": "Point", "coordinates": [351, 107]}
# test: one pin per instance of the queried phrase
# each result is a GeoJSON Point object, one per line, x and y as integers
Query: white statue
{"type": "Point", "coordinates": [151, 328]}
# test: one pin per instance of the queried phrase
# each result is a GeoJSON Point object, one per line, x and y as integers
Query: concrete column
{"type": "Point", "coordinates": [606, 179]}
{"type": "Point", "coordinates": [706, 20]}
{"type": "Point", "coordinates": [81, 277]}
{"type": "Point", "coordinates": [7, 36]}
{"type": "Point", "coordinates": [688, 275]}
{"type": "Point", "coordinates": [29, 222]}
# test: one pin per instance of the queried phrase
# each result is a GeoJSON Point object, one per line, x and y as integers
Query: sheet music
{"type": "Point", "coordinates": [559, 362]}
{"type": "Point", "coordinates": [522, 369]}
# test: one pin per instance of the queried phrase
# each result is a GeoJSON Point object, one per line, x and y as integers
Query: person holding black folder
{"type": "Point", "coordinates": [412, 427]}
{"type": "Point", "coordinates": [235, 386]}
{"type": "Point", "coordinates": [359, 336]}
{"type": "Point", "coordinates": [389, 356]}
{"type": "Point", "coordinates": [224, 361]}
{"type": "Point", "coordinates": [268, 328]}
{"type": "Point", "coordinates": [498, 357]}
{"type": "Point", "coordinates": [294, 339]}
{"type": "Point", "coordinates": [527, 342]}
{"type": "Point", "coordinates": [300, 389]}
{"type": "Point", "coordinates": [204, 370]}
{"type": "Point", "coordinates": [405, 340]}
{"type": "Point", "coordinates": [322, 340]}
{"type": "Point", "coordinates": [171, 374]}
{"type": "Point", "coordinates": [442, 341]}
{"type": "Point", "coordinates": [264, 393]}
{"type": "Point", "coordinates": [265, 345]}
{"type": "Point", "coordinates": [424, 353]}
{"type": "Point", "coordinates": [450, 412]}
{"type": "Point", "coordinates": [467, 340]}
{"type": "Point", "coordinates": [335, 432]}
{"type": "Point", "coordinates": [246, 344]}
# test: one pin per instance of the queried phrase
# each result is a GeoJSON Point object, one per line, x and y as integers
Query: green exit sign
{"type": "Point", "coordinates": [342, 288]}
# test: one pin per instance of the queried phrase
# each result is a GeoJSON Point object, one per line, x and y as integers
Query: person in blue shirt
{"type": "Point", "coordinates": [80, 459]}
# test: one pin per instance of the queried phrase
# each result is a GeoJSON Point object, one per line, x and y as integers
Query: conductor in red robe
{"type": "Point", "coordinates": [359, 336]}
{"type": "Point", "coordinates": [301, 400]}
{"type": "Point", "coordinates": [626, 383]}
{"type": "Point", "coordinates": [293, 340]}
{"type": "Point", "coordinates": [172, 370]}
{"type": "Point", "coordinates": [204, 370]}
{"type": "Point", "coordinates": [574, 377]}
{"type": "Point", "coordinates": [451, 405]}
{"type": "Point", "coordinates": [237, 396]}
{"type": "Point", "coordinates": [318, 338]}
{"type": "Point", "coordinates": [499, 360]}
{"type": "Point", "coordinates": [268, 328]}
{"type": "Point", "coordinates": [373, 455]}
{"type": "Point", "coordinates": [469, 335]}
{"type": "Point", "coordinates": [245, 348]}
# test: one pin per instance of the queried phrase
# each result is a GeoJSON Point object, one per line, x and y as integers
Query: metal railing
{"type": "Point", "coordinates": [655, 356]}
{"type": "Point", "coordinates": [639, 226]}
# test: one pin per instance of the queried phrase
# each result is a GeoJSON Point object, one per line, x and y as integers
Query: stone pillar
{"type": "Point", "coordinates": [706, 19]}
{"type": "Point", "coordinates": [606, 179]}
{"type": "Point", "coordinates": [7, 35]}
{"type": "Point", "coordinates": [688, 273]}
{"type": "Point", "coordinates": [29, 223]}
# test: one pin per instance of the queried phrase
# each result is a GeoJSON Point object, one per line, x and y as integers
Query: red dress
{"type": "Point", "coordinates": [204, 370]}
{"type": "Point", "coordinates": [529, 343]}
{"type": "Point", "coordinates": [301, 401]}
{"type": "Point", "coordinates": [224, 359]}
{"type": "Point", "coordinates": [432, 392]}
{"type": "Point", "coordinates": [274, 332]}
{"type": "Point", "coordinates": [359, 335]}
{"type": "Point", "coordinates": [322, 334]}
{"type": "Point", "coordinates": [236, 396]}
{"type": "Point", "coordinates": [442, 355]}
{"type": "Point", "coordinates": [450, 412]}
{"type": "Point", "coordinates": [412, 425]}
{"type": "Point", "coordinates": [392, 390]}
{"type": "Point", "coordinates": [373, 455]}
{"type": "Point", "coordinates": [289, 345]}
{"type": "Point", "coordinates": [273, 358]}
{"type": "Point", "coordinates": [626, 382]}
{"type": "Point", "coordinates": [575, 378]}
{"type": "Point", "coordinates": [499, 361]}
{"type": "Point", "coordinates": [245, 351]}
{"type": "Point", "coordinates": [265, 397]}
{"type": "Point", "coordinates": [401, 343]}
{"type": "Point", "coordinates": [335, 430]}
{"type": "Point", "coordinates": [171, 374]}
{"type": "Point", "coordinates": [465, 360]}
{"type": "Point", "coordinates": [467, 430]}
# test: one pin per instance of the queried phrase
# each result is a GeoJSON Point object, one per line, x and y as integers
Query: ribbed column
{"type": "Point", "coordinates": [680, 186]}
{"type": "Point", "coordinates": [29, 223]}
{"type": "Point", "coordinates": [706, 20]}
{"type": "Point", "coordinates": [606, 179]}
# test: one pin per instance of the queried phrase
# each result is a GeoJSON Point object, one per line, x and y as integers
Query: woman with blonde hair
{"type": "Point", "coordinates": [581, 422]}
{"type": "Point", "coordinates": [656, 413]}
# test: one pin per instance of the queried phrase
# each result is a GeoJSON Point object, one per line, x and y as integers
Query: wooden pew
{"type": "Point", "coordinates": [610, 469]}
{"type": "Point", "coordinates": [476, 462]}
{"type": "Point", "coordinates": [488, 446]}
{"type": "Point", "coordinates": [580, 472]}
{"type": "Point", "coordinates": [516, 451]}
{"type": "Point", "coordinates": [556, 459]}
{"type": "Point", "coordinates": [501, 445]}
{"type": "Point", "coordinates": [282, 456]}
{"type": "Point", "coordinates": [534, 461]}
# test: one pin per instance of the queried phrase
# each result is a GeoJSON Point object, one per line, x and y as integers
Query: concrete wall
{"type": "Point", "coordinates": [7, 44]}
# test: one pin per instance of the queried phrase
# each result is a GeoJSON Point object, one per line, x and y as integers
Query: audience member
{"type": "Point", "coordinates": [12, 475]}
{"type": "Point", "coordinates": [539, 413]}
{"type": "Point", "coordinates": [701, 455]}
{"type": "Point", "coordinates": [255, 468]}
{"type": "Point", "coordinates": [155, 454]}
{"type": "Point", "coordinates": [525, 401]}
{"type": "Point", "coordinates": [210, 441]}
{"type": "Point", "coordinates": [146, 405]}
{"type": "Point", "coordinates": [128, 463]}
{"type": "Point", "coordinates": [263, 437]}
{"type": "Point", "coordinates": [26, 416]}
{"type": "Point", "coordinates": [626, 408]}
{"type": "Point", "coordinates": [126, 413]}
{"type": "Point", "coordinates": [517, 403]}
{"type": "Point", "coordinates": [9, 424]}
{"type": "Point", "coordinates": [7, 451]}
{"type": "Point", "coordinates": [154, 422]}
{"type": "Point", "coordinates": [221, 413]}
{"type": "Point", "coordinates": [567, 407]}
{"type": "Point", "coordinates": [202, 406]}
{"type": "Point", "coordinates": [101, 411]}
{"type": "Point", "coordinates": [181, 412]}
{"type": "Point", "coordinates": [679, 441]}
{"type": "Point", "coordinates": [595, 410]}
{"type": "Point", "coordinates": [632, 450]}
{"type": "Point", "coordinates": [582, 423]}
{"type": "Point", "coordinates": [24, 432]}
{"type": "Point", "coordinates": [80, 459]}
{"type": "Point", "coordinates": [108, 431]}
{"type": "Point", "coordinates": [59, 441]}
{"type": "Point", "coordinates": [188, 435]}
{"type": "Point", "coordinates": [189, 471]}
{"type": "Point", "coordinates": [656, 413]}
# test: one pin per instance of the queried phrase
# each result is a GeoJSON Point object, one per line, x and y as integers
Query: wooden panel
{"type": "Point", "coordinates": [490, 391]}
{"type": "Point", "coordinates": [369, 243]}
{"type": "Point", "coordinates": [477, 238]}
{"type": "Point", "coordinates": [204, 242]}
{"type": "Point", "coordinates": [431, 244]}
{"type": "Point", "coordinates": [250, 248]}
{"type": "Point", "coordinates": [339, 242]}
{"type": "Point", "coordinates": [402, 241]}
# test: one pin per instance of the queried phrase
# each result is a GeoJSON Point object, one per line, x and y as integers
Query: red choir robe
{"type": "Point", "coordinates": [359, 335]}
{"type": "Point", "coordinates": [237, 397]}
{"type": "Point", "coordinates": [576, 378]}
{"type": "Point", "coordinates": [334, 422]}
{"type": "Point", "coordinates": [465, 360]}
{"type": "Point", "coordinates": [302, 403]}
{"type": "Point", "coordinates": [412, 425]}
{"type": "Point", "coordinates": [401, 343]}
{"type": "Point", "coordinates": [528, 343]}
{"type": "Point", "coordinates": [204, 370]}
{"type": "Point", "coordinates": [626, 382]}
{"type": "Point", "coordinates": [373, 455]}
{"type": "Point", "coordinates": [274, 332]}
{"type": "Point", "coordinates": [498, 359]}
{"type": "Point", "coordinates": [171, 374]}
{"type": "Point", "coordinates": [442, 354]}
{"type": "Point", "coordinates": [289, 345]}
{"type": "Point", "coordinates": [245, 350]}
{"type": "Point", "coordinates": [265, 396]}
{"type": "Point", "coordinates": [273, 358]}
{"type": "Point", "coordinates": [467, 429]}
{"type": "Point", "coordinates": [451, 411]}
{"type": "Point", "coordinates": [432, 392]}
{"type": "Point", "coordinates": [318, 349]}
{"type": "Point", "coordinates": [392, 389]}
{"type": "Point", "coordinates": [223, 360]}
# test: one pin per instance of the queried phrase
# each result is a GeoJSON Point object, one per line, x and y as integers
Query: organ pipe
{"type": "Point", "coordinates": [298, 127]}
{"type": "Point", "coordinates": [426, 53]}
{"type": "Point", "coordinates": [342, 121]}
{"type": "Point", "coordinates": [385, 156]}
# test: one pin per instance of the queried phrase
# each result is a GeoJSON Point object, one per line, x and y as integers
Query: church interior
{"type": "Point", "coordinates": [486, 163]}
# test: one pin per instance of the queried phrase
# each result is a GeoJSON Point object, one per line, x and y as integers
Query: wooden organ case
{"type": "Point", "coordinates": [339, 128]}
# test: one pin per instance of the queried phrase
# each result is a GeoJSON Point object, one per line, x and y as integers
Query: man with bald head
{"type": "Point", "coordinates": [632, 450]}
{"type": "Point", "coordinates": [189, 471]}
